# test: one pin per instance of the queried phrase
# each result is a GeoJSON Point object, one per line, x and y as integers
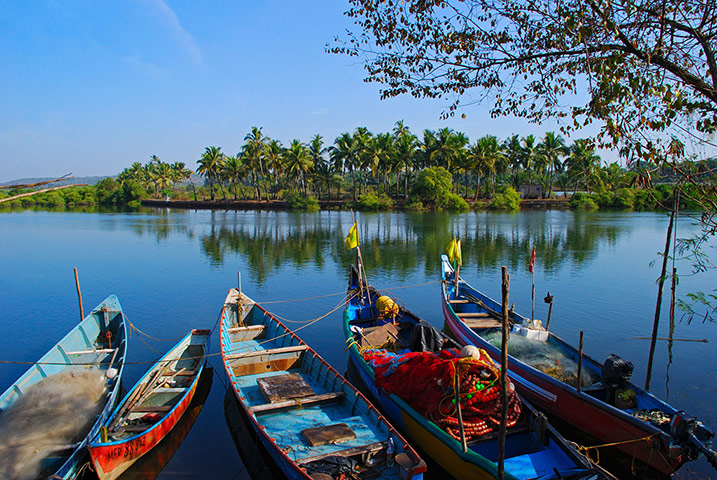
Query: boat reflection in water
{"type": "Point", "coordinates": [257, 462]}
{"type": "Point", "coordinates": [150, 465]}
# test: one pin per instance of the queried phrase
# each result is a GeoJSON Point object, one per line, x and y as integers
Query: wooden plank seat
{"type": "Point", "coordinates": [247, 328]}
{"type": "Point", "coordinates": [459, 300]}
{"type": "Point", "coordinates": [482, 323]}
{"type": "Point", "coordinates": [270, 351]}
{"type": "Point", "coordinates": [473, 314]}
{"type": "Point", "coordinates": [162, 389]}
{"type": "Point", "coordinates": [89, 352]}
{"type": "Point", "coordinates": [347, 452]}
{"type": "Point", "coordinates": [297, 402]}
{"type": "Point", "coordinates": [151, 408]}
{"type": "Point", "coordinates": [135, 428]}
{"type": "Point", "coordinates": [181, 373]}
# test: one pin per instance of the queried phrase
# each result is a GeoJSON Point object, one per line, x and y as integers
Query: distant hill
{"type": "Point", "coordinates": [26, 181]}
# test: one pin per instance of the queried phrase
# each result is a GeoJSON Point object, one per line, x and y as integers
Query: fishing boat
{"type": "Point", "coordinates": [151, 408]}
{"type": "Point", "coordinates": [311, 421]}
{"type": "Point", "coordinates": [607, 407]}
{"type": "Point", "coordinates": [374, 325]}
{"type": "Point", "coordinates": [94, 348]}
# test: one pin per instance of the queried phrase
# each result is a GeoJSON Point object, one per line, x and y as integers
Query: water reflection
{"type": "Point", "coordinates": [400, 243]}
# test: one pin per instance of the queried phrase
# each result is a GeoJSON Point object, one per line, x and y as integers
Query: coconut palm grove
{"type": "Point", "coordinates": [441, 169]}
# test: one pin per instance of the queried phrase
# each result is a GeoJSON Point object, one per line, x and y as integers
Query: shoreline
{"type": "Point", "coordinates": [562, 203]}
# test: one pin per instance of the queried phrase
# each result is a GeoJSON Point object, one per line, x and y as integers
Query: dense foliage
{"type": "Point", "coordinates": [441, 170]}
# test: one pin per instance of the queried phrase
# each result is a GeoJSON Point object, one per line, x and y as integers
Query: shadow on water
{"type": "Point", "coordinates": [257, 462]}
{"type": "Point", "coordinates": [150, 465]}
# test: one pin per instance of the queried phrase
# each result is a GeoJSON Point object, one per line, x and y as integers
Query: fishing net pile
{"type": "Point", "coordinates": [427, 382]}
{"type": "Point", "coordinates": [544, 356]}
{"type": "Point", "coordinates": [47, 419]}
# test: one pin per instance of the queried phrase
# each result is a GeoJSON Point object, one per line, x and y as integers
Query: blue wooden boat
{"type": "Point", "coordinates": [533, 449]}
{"type": "Point", "coordinates": [543, 367]}
{"type": "Point", "coordinates": [151, 409]}
{"type": "Point", "coordinates": [97, 345]}
{"type": "Point", "coordinates": [309, 418]}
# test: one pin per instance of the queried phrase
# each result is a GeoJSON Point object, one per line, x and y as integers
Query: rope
{"type": "Point", "coordinates": [586, 450]}
{"type": "Point", "coordinates": [289, 332]}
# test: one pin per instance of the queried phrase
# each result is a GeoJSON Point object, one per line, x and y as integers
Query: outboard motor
{"type": "Point", "coordinates": [616, 372]}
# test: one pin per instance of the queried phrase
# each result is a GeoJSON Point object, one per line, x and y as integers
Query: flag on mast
{"type": "Point", "coordinates": [531, 266]}
{"type": "Point", "coordinates": [352, 240]}
{"type": "Point", "coordinates": [454, 252]}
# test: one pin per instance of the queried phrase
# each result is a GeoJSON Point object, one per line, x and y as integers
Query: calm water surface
{"type": "Point", "coordinates": [172, 269]}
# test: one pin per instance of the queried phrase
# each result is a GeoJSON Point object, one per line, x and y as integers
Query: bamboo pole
{"type": "Point", "coordinates": [28, 194]}
{"type": "Point", "coordinates": [661, 284]}
{"type": "Point", "coordinates": [459, 411]}
{"type": "Point", "coordinates": [79, 295]}
{"type": "Point", "coordinates": [503, 376]}
{"type": "Point", "coordinates": [580, 363]}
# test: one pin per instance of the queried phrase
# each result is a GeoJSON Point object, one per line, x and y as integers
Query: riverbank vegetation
{"type": "Point", "coordinates": [440, 170]}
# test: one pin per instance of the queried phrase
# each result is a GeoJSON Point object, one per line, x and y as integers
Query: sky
{"type": "Point", "coordinates": [90, 86]}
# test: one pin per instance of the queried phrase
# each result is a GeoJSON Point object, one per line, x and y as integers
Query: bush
{"type": "Point", "coordinates": [455, 203]}
{"type": "Point", "coordinates": [297, 201]}
{"type": "Point", "coordinates": [131, 191]}
{"type": "Point", "coordinates": [105, 190]}
{"type": "Point", "coordinates": [583, 201]}
{"type": "Point", "coordinates": [432, 186]}
{"type": "Point", "coordinates": [414, 204]}
{"type": "Point", "coordinates": [372, 202]}
{"type": "Point", "coordinates": [624, 198]}
{"type": "Point", "coordinates": [506, 199]}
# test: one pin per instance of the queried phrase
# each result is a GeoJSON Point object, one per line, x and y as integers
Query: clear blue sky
{"type": "Point", "coordinates": [91, 86]}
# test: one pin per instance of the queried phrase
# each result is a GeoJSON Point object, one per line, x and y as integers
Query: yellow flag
{"type": "Point", "coordinates": [454, 252]}
{"type": "Point", "coordinates": [351, 239]}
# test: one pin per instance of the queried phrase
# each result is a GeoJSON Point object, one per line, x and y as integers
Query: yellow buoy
{"type": "Point", "coordinates": [386, 306]}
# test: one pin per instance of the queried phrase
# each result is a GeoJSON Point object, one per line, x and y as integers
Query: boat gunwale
{"type": "Point", "coordinates": [188, 389]}
{"type": "Point", "coordinates": [568, 389]}
{"type": "Point", "coordinates": [293, 464]}
{"type": "Point", "coordinates": [69, 465]}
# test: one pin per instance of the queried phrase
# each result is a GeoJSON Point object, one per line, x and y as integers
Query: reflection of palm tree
{"type": "Point", "coordinates": [209, 166]}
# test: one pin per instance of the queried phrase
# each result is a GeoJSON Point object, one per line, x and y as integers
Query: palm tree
{"type": "Point", "coordinates": [405, 151]}
{"type": "Point", "coordinates": [274, 158]}
{"type": "Point", "coordinates": [209, 166]}
{"type": "Point", "coordinates": [552, 148]}
{"type": "Point", "coordinates": [342, 155]}
{"type": "Point", "coordinates": [529, 157]}
{"type": "Point", "coordinates": [363, 140]}
{"type": "Point", "coordinates": [254, 150]}
{"type": "Point", "coordinates": [232, 170]}
{"type": "Point", "coordinates": [513, 150]}
{"type": "Point", "coordinates": [485, 157]}
{"type": "Point", "coordinates": [582, 161]}
{"type": "Point", "coordinates": [316, 153]}
{"type": "Point", "coordinates": [297, 162]}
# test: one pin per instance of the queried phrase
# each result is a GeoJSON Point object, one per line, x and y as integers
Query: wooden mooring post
{"type": "Point", "coordinates": [503, 376]}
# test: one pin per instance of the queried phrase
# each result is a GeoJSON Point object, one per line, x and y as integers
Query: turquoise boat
{"type": "Point", "coordinates": [533, 449]}
{"type": "Point", "coordinates": [96, 346]}
{"type": "Point", "coordinates": [312, 422]}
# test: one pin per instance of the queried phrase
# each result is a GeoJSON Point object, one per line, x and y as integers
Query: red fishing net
{"type": "Point", "coordinates": [427, 380]}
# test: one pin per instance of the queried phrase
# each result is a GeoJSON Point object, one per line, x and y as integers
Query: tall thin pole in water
{"type": "Point", "coordinates": [79, 295]}
{"type": "Point", "coordinates": [503, 377]}
{"type": "Point", "coordinates": [661, 284]}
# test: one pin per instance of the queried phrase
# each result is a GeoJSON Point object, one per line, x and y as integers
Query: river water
{"type": "Point", "coordinates": [171, 270]}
